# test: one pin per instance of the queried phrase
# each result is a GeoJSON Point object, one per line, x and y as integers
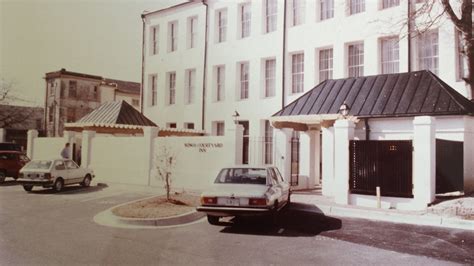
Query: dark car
{"type": "Point", "coordinates": [10, 146]}
{"type": "Point", "coordinates": [10, 164]}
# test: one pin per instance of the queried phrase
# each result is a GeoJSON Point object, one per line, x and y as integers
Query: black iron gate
{"type": "Point", "coordinates": [449, 166]}
{"type": "Point", "coordinates": [295, 158]}
{"type": "Point", "coordinates": [381, 163]}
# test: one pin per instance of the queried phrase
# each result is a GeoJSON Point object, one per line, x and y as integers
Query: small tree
{"type": "Point", "coordinates": [165, 162]}
{"type": "Point", "coordinates": [14, 115]}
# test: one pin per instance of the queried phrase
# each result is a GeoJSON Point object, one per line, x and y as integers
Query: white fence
{"type": "Point", "coordinates": [48, 148]}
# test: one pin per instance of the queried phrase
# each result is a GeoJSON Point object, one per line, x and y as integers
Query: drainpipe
{"type": "Point", "coordinates": [143, 63]}
{"type": "Point", "coordinates": [409, 34]}
{"type": "Point", "coordinates": [283, 63]}
{"type": "Point", "coordinates": [204, 71]}
{"type": "Point", "coordinates": [367, 129]}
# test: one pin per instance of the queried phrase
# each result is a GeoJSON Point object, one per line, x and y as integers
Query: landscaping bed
{"type": "Point", "coordinates": [159, 207]}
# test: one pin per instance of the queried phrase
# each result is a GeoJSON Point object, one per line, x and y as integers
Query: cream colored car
{"type": "Point", "coordinates": [245, 191]}
{"type": "Point", "coordinates": [55, 173]}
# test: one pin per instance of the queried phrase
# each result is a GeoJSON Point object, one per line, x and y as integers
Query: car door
{"type": "Point", "coordinates": [285, 186]}
{"type": "Point", "coordinates": [74, 173]}
{"type": "Point", "coordinates": [60, 170]}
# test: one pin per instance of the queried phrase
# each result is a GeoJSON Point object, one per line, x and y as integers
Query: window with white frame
{"type": "Point", "coordinates": [355, 66]}
{"type": "Point", "coordinates": [390, 3]}
{"type": "Point", "coordinates": [220, 83]}
{"type": "Point", "coordinates": [153, 89]}
{"type": "Point", "coordinates": [462, 59]}
{"type": "Point", "coordinates": [244, 80]}
{"type": "Point", "coordinates": [189, 125]}
{"type": "Point", "coordinates": [270, 72]}
{"type": "Point", "coordinates": [268, 138]}
{"type": "Point", "coordinates": [356, 6]}
{"type": "Point", "coordinates": [325, 64]}
{"type": "Point", "coordinates": [192, 32]}
{"type": "Point", "coordinates": [173, 36]}
{"type": "Point", "coordinates": [221, 19]}
{"type": "Point", "coordinates": [219, 128]}
{"type": "Point", "coordinates": [298, 9]}
{"type": "Point", "coordinates": [428, 51]}
{"type": "Point", "coordinates": [171, 125]}
{"type": "Point", "coordinates": [390, 56]}
{"type": "Point", "coordinates": [245, 20]}
{"type": "Point", "coordinates": [270, 15]}
{"type": "Point", "coordinates": [171, 88]}
{"type": "Point", "coordinates": [326, 9]}
{"type": "Point", "coordinates": [297, 73]}
{"type": "Point", "coordinates": [154, 40]}
{"type": "Point", "coordinates": [190, 84]}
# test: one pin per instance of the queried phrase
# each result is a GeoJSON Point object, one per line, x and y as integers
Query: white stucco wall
{"type": "Point", "coordinates": [48, 148]}
{"type": "Point", "coordinates": [119, 159]}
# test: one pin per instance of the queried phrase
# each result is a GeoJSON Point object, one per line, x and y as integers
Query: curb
{"type": "Point", "coordinates": [423, 219]}
{"type": "Point", "coordinates": [108, 218]}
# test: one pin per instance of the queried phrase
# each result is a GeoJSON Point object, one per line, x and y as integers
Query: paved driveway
{"type": "Point", "coordinates": [45, 228]}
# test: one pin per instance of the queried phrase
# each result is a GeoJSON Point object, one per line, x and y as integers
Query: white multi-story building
{"type": "Point", "coordinates": [206, 61]}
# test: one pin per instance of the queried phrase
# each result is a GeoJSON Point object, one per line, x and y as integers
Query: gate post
{"type": "Point", "coordinates": [149, 135]}
{"type": "Point", "coordinates": [86, 150]}
{"type": "Point", "coordinates": [30, 146]}
{"type": "Point", "coordinates": [424, 161]}
{"type": "Point", "coordinates": [343, 133]}
{"type": "Point", "coordinates": [283, 152]}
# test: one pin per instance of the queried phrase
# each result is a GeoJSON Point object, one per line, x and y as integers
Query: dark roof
{"type": "Point", "coordinates": [125, 86]}
{"type": "Point", "coordinates": [119, 112]}
{"type": "Point", "coordinates": [63, 71]}
{"type": "Point", "coordinates": [391, 95]}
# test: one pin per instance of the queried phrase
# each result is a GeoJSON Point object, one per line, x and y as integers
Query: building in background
{"type": "Point", "coordinates": [252, 62]}
{"type": "Point", "coordinates": [71, 95]}
{"type": "Point", "coordinates": [15, 121]}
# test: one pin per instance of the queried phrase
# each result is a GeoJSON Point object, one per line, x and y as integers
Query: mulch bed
{"type": "Point", "coordinates": [159, 207]}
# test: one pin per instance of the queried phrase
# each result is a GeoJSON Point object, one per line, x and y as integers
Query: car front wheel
{"type": "Point", "coordinates": [214, 220]}
{"type": "Point", "coordinates": [58, 185]}
{"type": "Point", "coordinates": [87, 181]}
{"type": "Point", "coordinates": [27, 187]}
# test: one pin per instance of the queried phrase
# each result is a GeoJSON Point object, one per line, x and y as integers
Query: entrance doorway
{"type": "Point", "coordinates": [245, 148]}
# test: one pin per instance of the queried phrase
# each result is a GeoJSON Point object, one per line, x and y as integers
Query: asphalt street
{"type": "Point", "coordinates": [46, 228]}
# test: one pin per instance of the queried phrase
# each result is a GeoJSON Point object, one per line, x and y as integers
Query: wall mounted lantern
{"type": "Point", "coordinates": [344, 109]}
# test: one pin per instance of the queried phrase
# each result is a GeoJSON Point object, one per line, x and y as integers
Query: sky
{"type": "Point", "coordinates": [99, 37]}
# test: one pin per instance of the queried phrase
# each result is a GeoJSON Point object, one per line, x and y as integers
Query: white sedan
{"type": "Point", "coordinates": [245, 191]}
{"type": "Point", "coordinates": [55, 173]}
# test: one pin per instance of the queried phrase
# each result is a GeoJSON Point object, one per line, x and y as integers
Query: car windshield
{"type": "Point", "coordinates": [40, 164]}
{"type": "Point", "coordinates": [257, 176]}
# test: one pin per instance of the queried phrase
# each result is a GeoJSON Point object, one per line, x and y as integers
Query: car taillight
{"type": "Point", "coordinates": [208, 200]}
{"type": "Point", "coordinates": [20, 175]}
{"type": "Point", "coordinates": [257, 201]}
{"type": "Point", "coordinates": [47, 176]}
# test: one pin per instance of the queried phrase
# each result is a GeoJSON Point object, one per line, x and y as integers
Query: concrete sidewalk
{"type": "Point", "coordinates": [313, 201]}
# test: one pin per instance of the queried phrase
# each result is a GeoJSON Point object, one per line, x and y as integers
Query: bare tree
{"type": "Point", "coordinates": [11, 115]}
{"type": "Point", "coordinates": [459, 12]}
{"type": "Point", "coordinates": [165, 162]}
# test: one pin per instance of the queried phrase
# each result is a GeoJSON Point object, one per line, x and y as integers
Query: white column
{"type": "Point", "coordinates": [239, 143]}
{"type": "Point", "coordinates": [283, 152]}
{"type": "Point", "coordinates": [314, 157]}
{"type": "Point", "coordinates": [149, 135]}
{"type": "Point", "coordinates": [424, 161]}
{"type": "Point", "coordinates": [86, 151]}
{"type": "Point", "coordinates": [304, 173]}
{"type": "Point", "coordinates": [328, 161]}
{"type": "Point", "coordinates": [69, 137]}
{"type": "Point", "coordinates": [343, 133]}
{"type": "Point", "coordinates": [3, 134]}
{"type": "Point", "coordinates": [32, 135]}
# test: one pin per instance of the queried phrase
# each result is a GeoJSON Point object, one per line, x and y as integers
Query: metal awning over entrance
{"type": "Point", "coordinates": [419, 93]}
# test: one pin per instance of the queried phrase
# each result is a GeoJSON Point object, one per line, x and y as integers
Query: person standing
{"type": "Point", "coordinates": [65, 152]}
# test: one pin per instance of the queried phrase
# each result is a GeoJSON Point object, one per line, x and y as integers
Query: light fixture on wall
{"type": "Point", "coordinates": [344, 109]}
{"type": "Point", "coordinates": [235, 116]}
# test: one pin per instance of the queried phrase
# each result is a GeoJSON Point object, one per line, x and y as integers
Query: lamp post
{"type": "Point", "coordinates": [344, 110]}
{"type": "Point", "coordinates": [235, 117]}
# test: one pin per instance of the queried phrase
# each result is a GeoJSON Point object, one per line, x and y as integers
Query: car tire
{"type": "Point", "coordinates": [87, 181]}
{"type": "Point", "coordinates": [214, 220]}
{"type": "Point", "coordinates": [28, 188]}
{"type": "Point", "coordinates": [58, 185]}
{"type": "Point", "coordinates": [3, 175]}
